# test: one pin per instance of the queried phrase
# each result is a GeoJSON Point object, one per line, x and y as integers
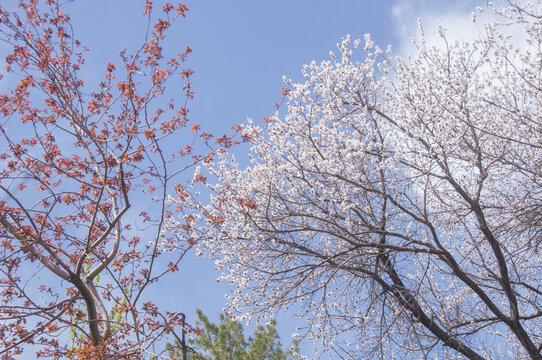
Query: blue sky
{"type": "Point", "coordinates": [241, 50]}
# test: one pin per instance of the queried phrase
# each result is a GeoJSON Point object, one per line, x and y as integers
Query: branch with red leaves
{"type": "Point", "coordinates": [75, 160]}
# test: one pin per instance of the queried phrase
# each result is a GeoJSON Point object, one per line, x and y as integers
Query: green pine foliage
{"type": "Point", "coordinates": [226, 341]}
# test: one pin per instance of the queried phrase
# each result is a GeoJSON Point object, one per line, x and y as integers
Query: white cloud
{"type": "Point", "coordinates": [456, 18]}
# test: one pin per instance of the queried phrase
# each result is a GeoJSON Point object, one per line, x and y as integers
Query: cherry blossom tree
{"type": "Point", "coordinates": [83, 179]}
{"type": "Point", "coordinates": [396, 206]}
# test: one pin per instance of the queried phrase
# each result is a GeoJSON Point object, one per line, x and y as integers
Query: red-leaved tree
{"type": "Point", "coordinates": [83, 178]}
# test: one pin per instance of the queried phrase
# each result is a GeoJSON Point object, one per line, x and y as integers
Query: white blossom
{"type": "Point", "coordinates": [398, 204]}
